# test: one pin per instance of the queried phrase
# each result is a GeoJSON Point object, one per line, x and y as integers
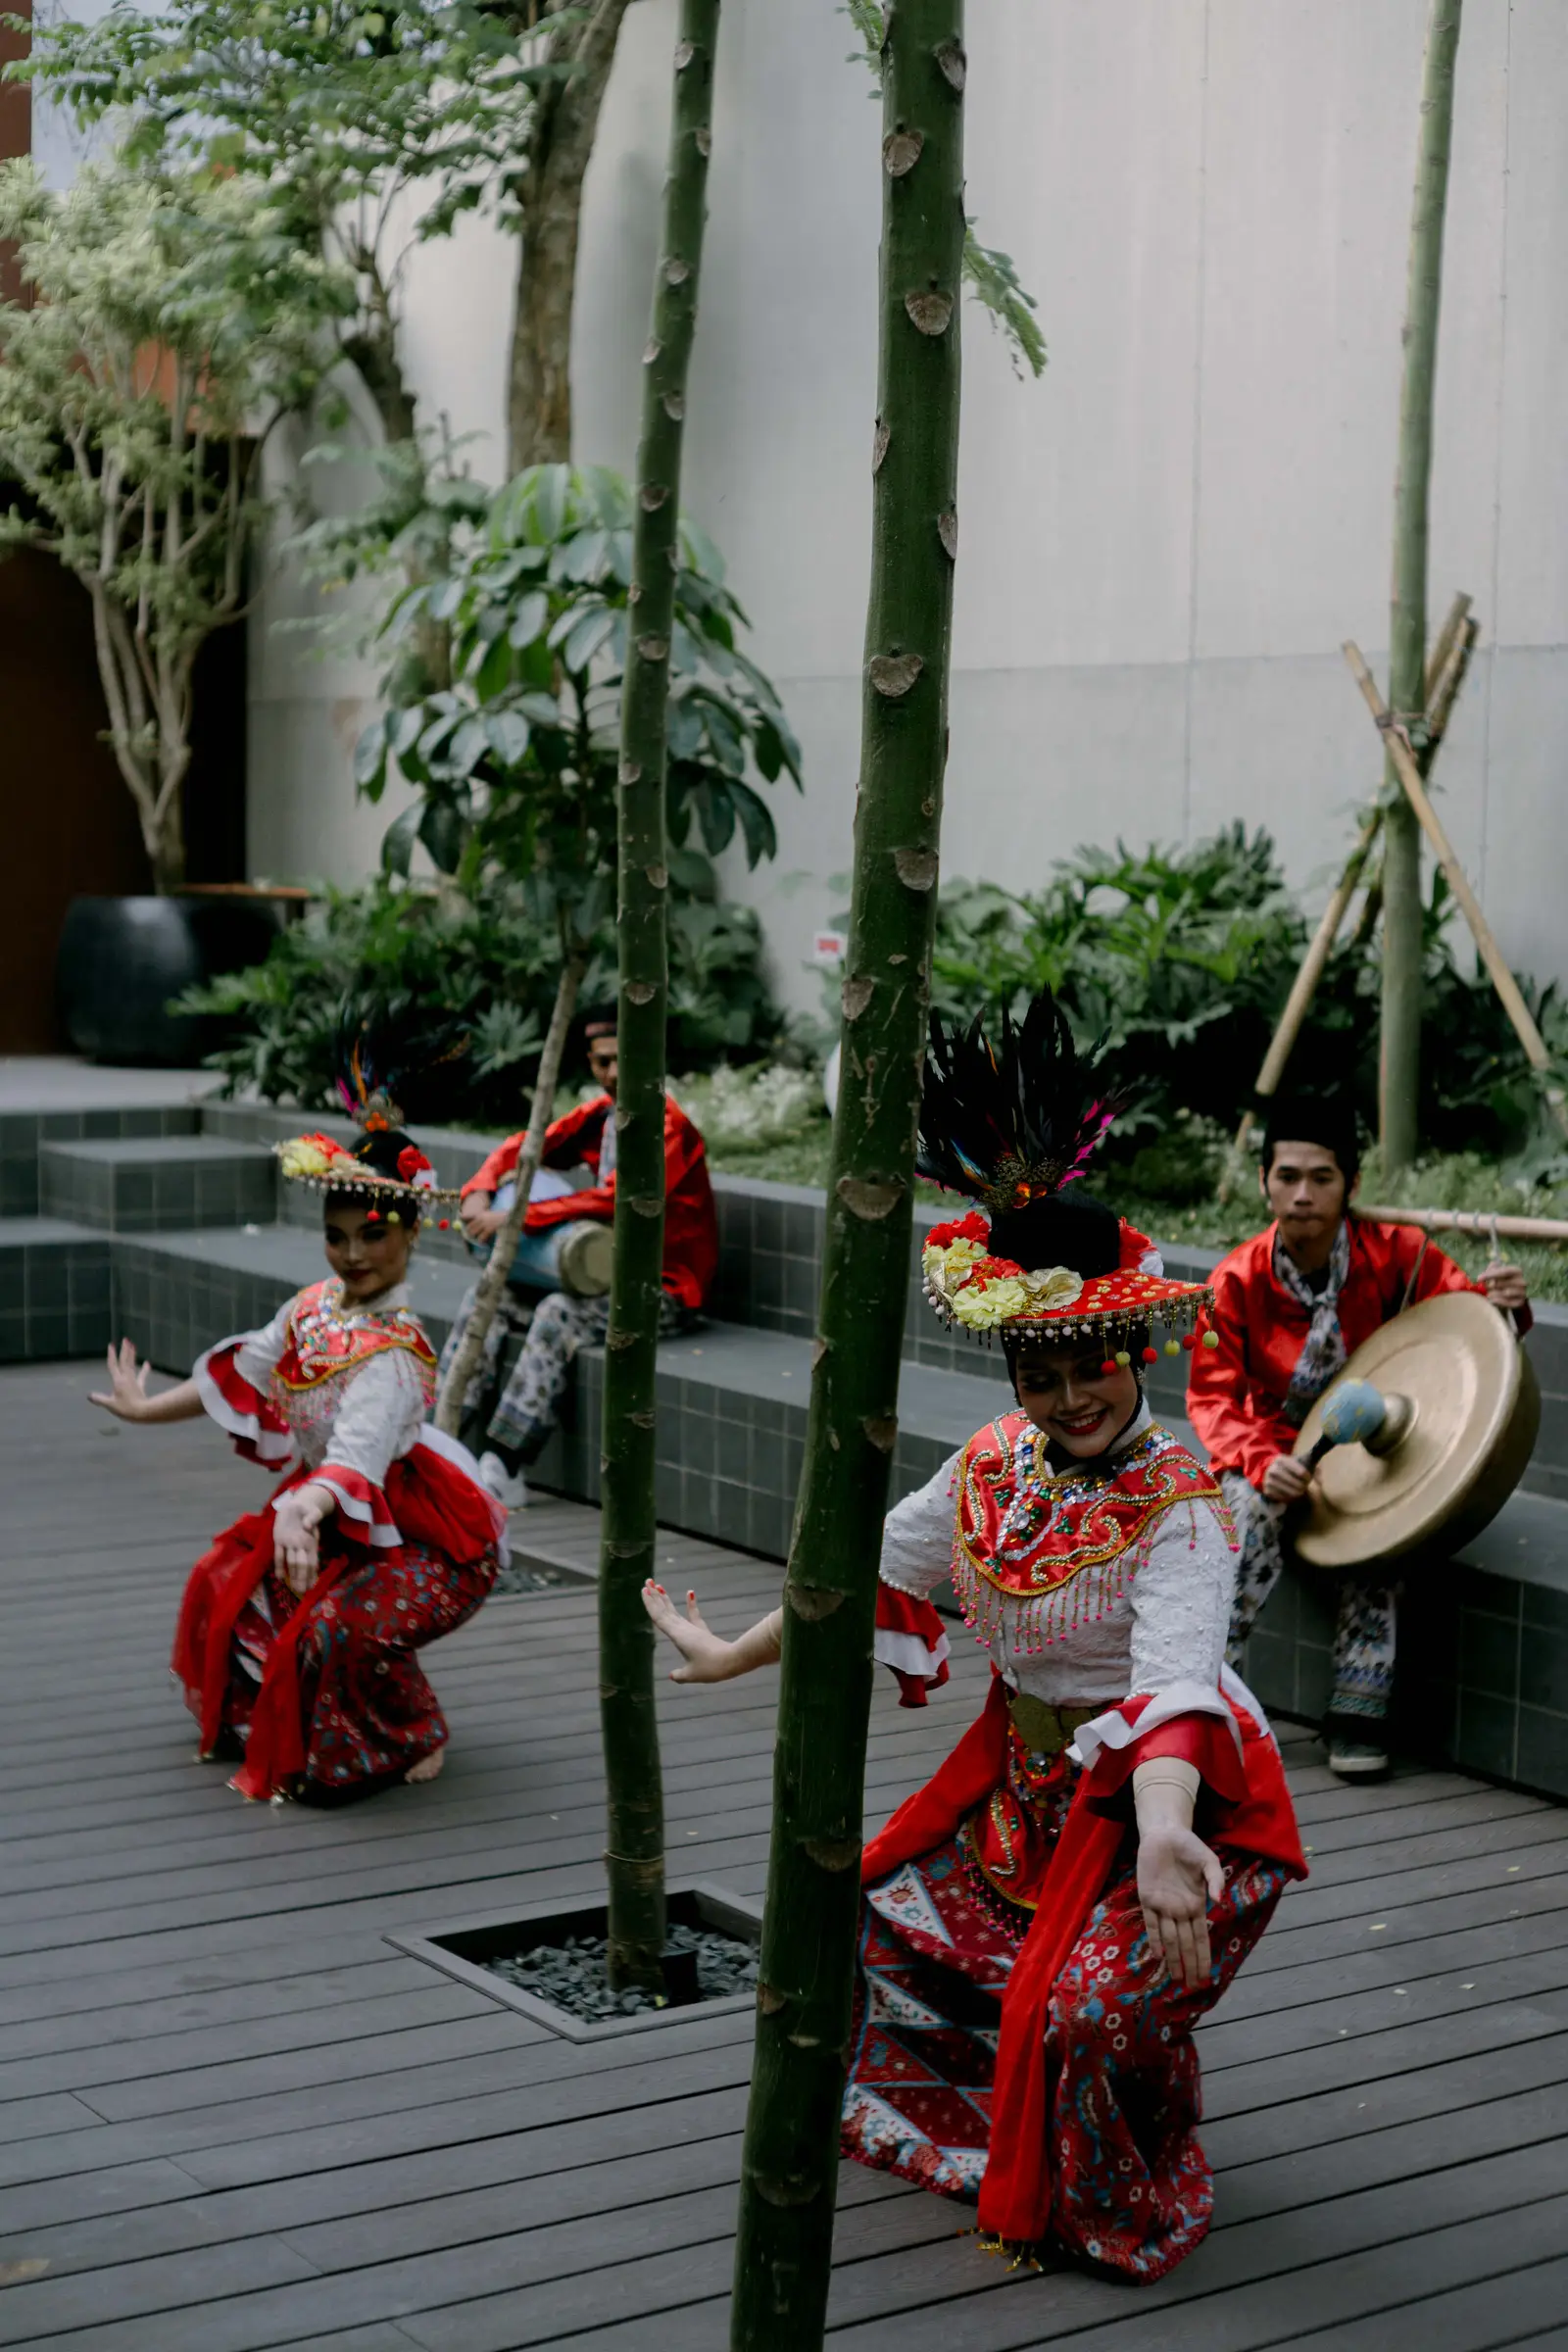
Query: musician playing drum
{"type": "Point", "coordinates": [1291, 1305]}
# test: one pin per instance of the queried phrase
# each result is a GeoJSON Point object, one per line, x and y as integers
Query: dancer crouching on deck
{"type": "Point", "coordinates": [297, 1638]}
{"type": "Point", "coordinates": [1105, 1845]}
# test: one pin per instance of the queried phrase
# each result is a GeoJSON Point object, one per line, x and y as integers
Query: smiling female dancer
{"type": "Point", "coordinates": [297, 1638]}
{"type": "Point", "coordinates": [1046, 1921]}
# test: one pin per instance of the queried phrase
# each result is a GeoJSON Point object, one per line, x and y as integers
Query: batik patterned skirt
{"type": "Point", "coordinates": [367, 1711]}
{"type": "Point", "coordinates": [1132, 2190]}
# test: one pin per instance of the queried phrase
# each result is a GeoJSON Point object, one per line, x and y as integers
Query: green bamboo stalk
{"type": "Point", "coordinates": [1407, 640]}
{"type": "Point", "coordinates": [790, 2163]}
{"type": "Point", "coordinates": [503, 1248]}
{"type": "Point", "coordinates": [634, 1856]}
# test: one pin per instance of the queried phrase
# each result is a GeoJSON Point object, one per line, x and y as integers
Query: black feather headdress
{"type": "Point", "coordinates": [1011, 1123]}
{"type": "Point", "coordinates": [382, 1061]}
{"type": "Point", "coordinates": [377, 1062]}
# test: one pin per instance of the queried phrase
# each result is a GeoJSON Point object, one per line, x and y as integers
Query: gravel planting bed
{"type": "Point", "coordinates": [571, 1974]}
{"type": "Point", "coordinates": [531, 1576]}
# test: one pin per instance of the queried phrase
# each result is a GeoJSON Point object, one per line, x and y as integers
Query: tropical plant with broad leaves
{"type": "Point", "coordinates": [492, 962]}
{"type": "Point", "coordinates": [1179, 962]}
{"type": "Point", "coordinates": [515, 759]}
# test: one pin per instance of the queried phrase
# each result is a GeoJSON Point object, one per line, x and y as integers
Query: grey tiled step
{"type": "Point", "coordinates": [132, 1184]}
{"type": "Point", "coordinates": [54, 1290]}
{"type": "Point", "coordinates": [24, 1133]}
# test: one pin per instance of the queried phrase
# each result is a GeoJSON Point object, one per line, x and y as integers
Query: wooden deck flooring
{"type": "Point", "coordinates": [233, 2117]}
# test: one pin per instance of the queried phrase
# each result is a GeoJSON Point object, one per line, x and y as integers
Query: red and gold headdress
{"type": "Point", "coordinates": [1013, 1126]}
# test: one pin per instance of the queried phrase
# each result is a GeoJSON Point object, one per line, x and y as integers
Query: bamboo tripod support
{"type": "Point", "coordinates": [1478, 1221]}
{"type": "Point", "coordinates": [1446, 671]}
{"type": "Point", "coordinates": [1403, 760]}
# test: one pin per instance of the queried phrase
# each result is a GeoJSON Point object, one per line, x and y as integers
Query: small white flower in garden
{"type": "Point", "coordinates": [767, 1103]}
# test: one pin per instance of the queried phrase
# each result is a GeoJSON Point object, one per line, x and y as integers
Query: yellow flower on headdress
{"type": "Point", "coordinates": [309, 1155]}
{"type": "Point", "coordinates": [985, 1306]}
{"type": "Point", "coordinates": [946, 1268]}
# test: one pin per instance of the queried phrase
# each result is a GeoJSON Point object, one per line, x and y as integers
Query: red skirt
{"type": "Point", "coordinates": [1015, 2038]}
{"type": "Point", "coordinates": [325, 1691]}
{"type": "Point", "coordinates": [1131, 2187]}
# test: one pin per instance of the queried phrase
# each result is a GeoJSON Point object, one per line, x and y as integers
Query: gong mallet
{"type": "Point", "coordinates": [1359, 1414]}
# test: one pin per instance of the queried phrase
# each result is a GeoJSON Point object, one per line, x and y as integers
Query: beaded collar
{"type": "Point", "coordinates": [327, 1338]}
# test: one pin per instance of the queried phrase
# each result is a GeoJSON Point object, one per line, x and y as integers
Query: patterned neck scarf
{"type": "Point", "coordinates": [1323, 1349]}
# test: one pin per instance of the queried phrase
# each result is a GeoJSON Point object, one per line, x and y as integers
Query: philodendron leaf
{"type": "Point", "coordinates": [397, 843]}
{"type": "Point", "coordinates": [533, 611]}
{"type": "Point", "coordinates": [468, 747]}
{"type": "Point", "coordinates": [508, 735]}
{"type": "Point", "coordinates": [757, 823]}
{"type": "Point", "coordinates": [586, 638]}
{"type": "Point", "coordinates": [369, 759]}
{"type": "Point", "coordinates": [443, 832]}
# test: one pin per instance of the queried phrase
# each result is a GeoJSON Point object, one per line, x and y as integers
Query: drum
{"type": "Point", "coordinates": [573, 1257]}
{"type": "Point", "coordinates": [1462, 1411]}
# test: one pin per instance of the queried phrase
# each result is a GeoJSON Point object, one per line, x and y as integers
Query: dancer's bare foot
{"type": "Point", "coordinates": [428, 1768]}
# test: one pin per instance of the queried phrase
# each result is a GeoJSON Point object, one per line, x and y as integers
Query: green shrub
{"type": "Point", "coordinates": [1182, 961]}
{"type": "Point", "coordinates": [491, 961]}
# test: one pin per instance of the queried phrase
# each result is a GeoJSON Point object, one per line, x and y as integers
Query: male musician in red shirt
{"type": "Point", "coordinates": [1290, 1307]}
{"type": "Point", "coordinates": [521, 1426]}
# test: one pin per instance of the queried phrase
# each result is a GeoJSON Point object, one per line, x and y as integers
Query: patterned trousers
{"type": "Point", "coordinates": [529, 1406]}
{"type": "Point", "coordinates": [1131, 2187]}
{"type": "Point", "coordinates": [1364, 1633]}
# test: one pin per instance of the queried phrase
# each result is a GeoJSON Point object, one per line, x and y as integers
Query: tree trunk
{"type": "Point", "coordinates": [560, 146]}
{"type": "Point", "coordinates": [634, 1856]}
{"type": "Point", "coordinates": [374, 357]}
{"type": "Point", "coordinates": [132, 729]}
{"type": "Point", "coordinates": [1407, 639]}
{"type": "Point", "coordinates": [790, 2162]}
{"type": "Point", "coordinates": [503, 1248]}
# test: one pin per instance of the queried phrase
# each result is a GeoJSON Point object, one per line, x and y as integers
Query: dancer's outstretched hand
{"type": "Point", "coordinates": [708, 1658]}
{"type": "Point", "coordinates": [1178, 1877]}
{"type": "Point", "coordinates": [296, 1545]}
{"type": "Point", "coordinates": [127, 1399]}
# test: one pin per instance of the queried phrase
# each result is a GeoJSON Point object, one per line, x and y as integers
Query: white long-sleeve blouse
{"type": "Point", "coordinates": [1166, 1628]}
{"type": "Point", "coordinates": [364, 1419]}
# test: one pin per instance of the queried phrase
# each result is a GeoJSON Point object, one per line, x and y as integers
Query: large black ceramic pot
{"type": "Point", "coordinates": [121, 959]}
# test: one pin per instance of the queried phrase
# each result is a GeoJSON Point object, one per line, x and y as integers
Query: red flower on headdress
{"type": "Point", "coordinates": [972, 1228]}
{"type": "Point", "coordinates": [412, 1163]}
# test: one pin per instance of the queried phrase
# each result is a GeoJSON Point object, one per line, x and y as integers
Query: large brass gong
{"type": "Point", "coordinates": [1461, 1409]}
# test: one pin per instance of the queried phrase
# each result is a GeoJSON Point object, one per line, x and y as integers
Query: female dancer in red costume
{"type": "Point", "coordinates": [1045, 1922]}
{"type": "Point", "coordinates": [297, 1640]}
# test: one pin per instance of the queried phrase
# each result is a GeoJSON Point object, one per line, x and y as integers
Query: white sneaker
{"type": "Point", "coordinates": [510, 1492]}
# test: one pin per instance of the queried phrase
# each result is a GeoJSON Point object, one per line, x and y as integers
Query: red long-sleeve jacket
{"type": "Point", "coordinates": [1236, 1392]}
{"type": "Point", "coordinates": [691, 1223]}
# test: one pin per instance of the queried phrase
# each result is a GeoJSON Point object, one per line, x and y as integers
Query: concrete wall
{"type": "Point", "coordinates": [1166, 539]}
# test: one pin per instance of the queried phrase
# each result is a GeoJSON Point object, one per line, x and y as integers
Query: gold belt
{"type": "Point", "coordinates": [1046, 1730]}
